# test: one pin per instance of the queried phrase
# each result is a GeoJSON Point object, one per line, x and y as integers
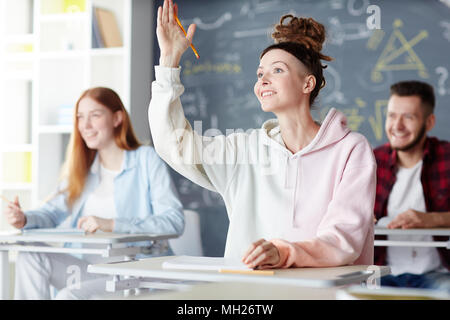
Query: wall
{"type": "Point", "coordinates": [141, 64]}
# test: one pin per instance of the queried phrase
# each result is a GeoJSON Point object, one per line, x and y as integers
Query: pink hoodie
{"type": "Point", "coordinates": [315, 205]}
{"type": "Point", "coordinates": [335, 180]}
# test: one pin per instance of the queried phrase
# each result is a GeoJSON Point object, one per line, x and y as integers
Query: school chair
{"type": "Point", "coordinates": [189, 243]}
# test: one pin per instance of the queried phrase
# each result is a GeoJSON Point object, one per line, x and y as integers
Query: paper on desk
{"type": "Point", "coordinates": [54, 231]}
{"type": "Point", "coordinates": [10, 232]}
{"type": "Point", "coordinates": [204, 263]}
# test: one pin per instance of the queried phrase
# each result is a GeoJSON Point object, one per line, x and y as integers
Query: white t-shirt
{"type": "Point", "coordinates": [100, 203]}
{"type": "Point", "coordinates": [407, 193]}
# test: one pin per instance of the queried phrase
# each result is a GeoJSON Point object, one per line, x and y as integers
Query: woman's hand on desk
{"type": "Point", "coordinates": [93, 223]}
{"type": "Point", "coordinates": [262, 254]}
{"type": "Point", "coordinates": [14, 214]}
{"type": "Point", "coordinates": [414, 219]}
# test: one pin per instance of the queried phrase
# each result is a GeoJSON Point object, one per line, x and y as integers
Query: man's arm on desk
{"type": "Point", "coordinates": [417, 219]}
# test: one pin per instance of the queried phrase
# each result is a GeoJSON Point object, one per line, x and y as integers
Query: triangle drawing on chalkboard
{"type": "Point", "coordinates": [398, 54]}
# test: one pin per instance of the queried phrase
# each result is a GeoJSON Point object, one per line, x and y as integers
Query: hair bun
{"type": "Point", "coordinates": [306, 31]}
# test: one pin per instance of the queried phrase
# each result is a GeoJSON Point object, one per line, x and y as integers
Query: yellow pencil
{"type": "Point", "coordinates": [255, 272]}
{"type": "Point", "coordinates": [185, 34]}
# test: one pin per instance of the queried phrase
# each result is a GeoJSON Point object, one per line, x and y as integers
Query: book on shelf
{"type": "Point", "coordinates": [105, 29]}
{"type": "Point", "coordinates": [97, 41]}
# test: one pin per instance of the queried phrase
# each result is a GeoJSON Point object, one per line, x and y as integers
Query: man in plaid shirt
{"type": "Point", "coordinates": [413, 188]}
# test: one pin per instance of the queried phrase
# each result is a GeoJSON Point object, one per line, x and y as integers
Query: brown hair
{"type": "Point", "coordinates": [303, 38]}
{"type": "Point", "coordinates": [416, 88]}
{"type": "Point", "coordinates": [79, 157]}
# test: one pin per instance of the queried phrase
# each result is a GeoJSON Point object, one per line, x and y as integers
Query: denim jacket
{"type": "Point", "coordinates": [145, 197]}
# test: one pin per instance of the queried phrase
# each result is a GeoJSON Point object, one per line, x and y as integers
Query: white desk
{"type": "Point", "coordinates": [114, 245]}
{"type": "Point", "coordinates": [242, 291]}
{"type": "Point", "coordinates": [390, 293]}
{"type": "Point", "coordinates": [256, 291]}
{"type": "Point", "coordinates": [144, 273]}
{"type": "Point", "coordinates": [412, 232]}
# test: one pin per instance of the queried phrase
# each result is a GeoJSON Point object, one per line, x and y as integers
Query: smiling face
{"type": "Point", "coordinates": [281, 81]}
{"type": "Point", "coordinates": [406, 122]}
{"type": "Point", "coordinates": [96, 123]}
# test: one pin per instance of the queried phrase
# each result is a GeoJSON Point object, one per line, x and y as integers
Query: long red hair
{"type": "Point", "coordinates": [79, 157]}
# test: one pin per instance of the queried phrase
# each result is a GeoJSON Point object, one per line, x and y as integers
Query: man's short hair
{"type": "Point", "coordinates": [416, 88]}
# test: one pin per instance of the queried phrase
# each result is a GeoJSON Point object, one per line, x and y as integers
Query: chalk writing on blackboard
{"type": "Point", "coordinates": [446, 26]}
{"type": "Point", "coordinates": [402, 57]}
{"type": "Point", "coordinates": [443, 76]}
{"type": "Point", "coordinates": [377, 121]}
{"type": "Point", "coordinates": [341, 32]}
{"type": "Point", "coordinates": [375, 39]}
{"type": "Point", "coordinates": [215, 25]}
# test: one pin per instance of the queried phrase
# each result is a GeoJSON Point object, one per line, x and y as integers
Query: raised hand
{"type": "Point", "coordinates": [171, 39]}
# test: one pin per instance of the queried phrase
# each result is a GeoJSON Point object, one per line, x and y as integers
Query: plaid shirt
{"type": "Point", "coordinates": [435, 179]}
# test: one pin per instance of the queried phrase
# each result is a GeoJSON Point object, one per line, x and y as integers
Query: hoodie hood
{"type": "Point", "coordinates": [333, 129]}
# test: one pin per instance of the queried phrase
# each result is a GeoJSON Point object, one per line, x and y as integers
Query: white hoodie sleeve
{"type": "Point", "coordinates": [207, 161]}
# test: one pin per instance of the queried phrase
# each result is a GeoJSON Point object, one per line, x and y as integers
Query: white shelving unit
{"type": "Point", "coordinates": [46, 62]}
